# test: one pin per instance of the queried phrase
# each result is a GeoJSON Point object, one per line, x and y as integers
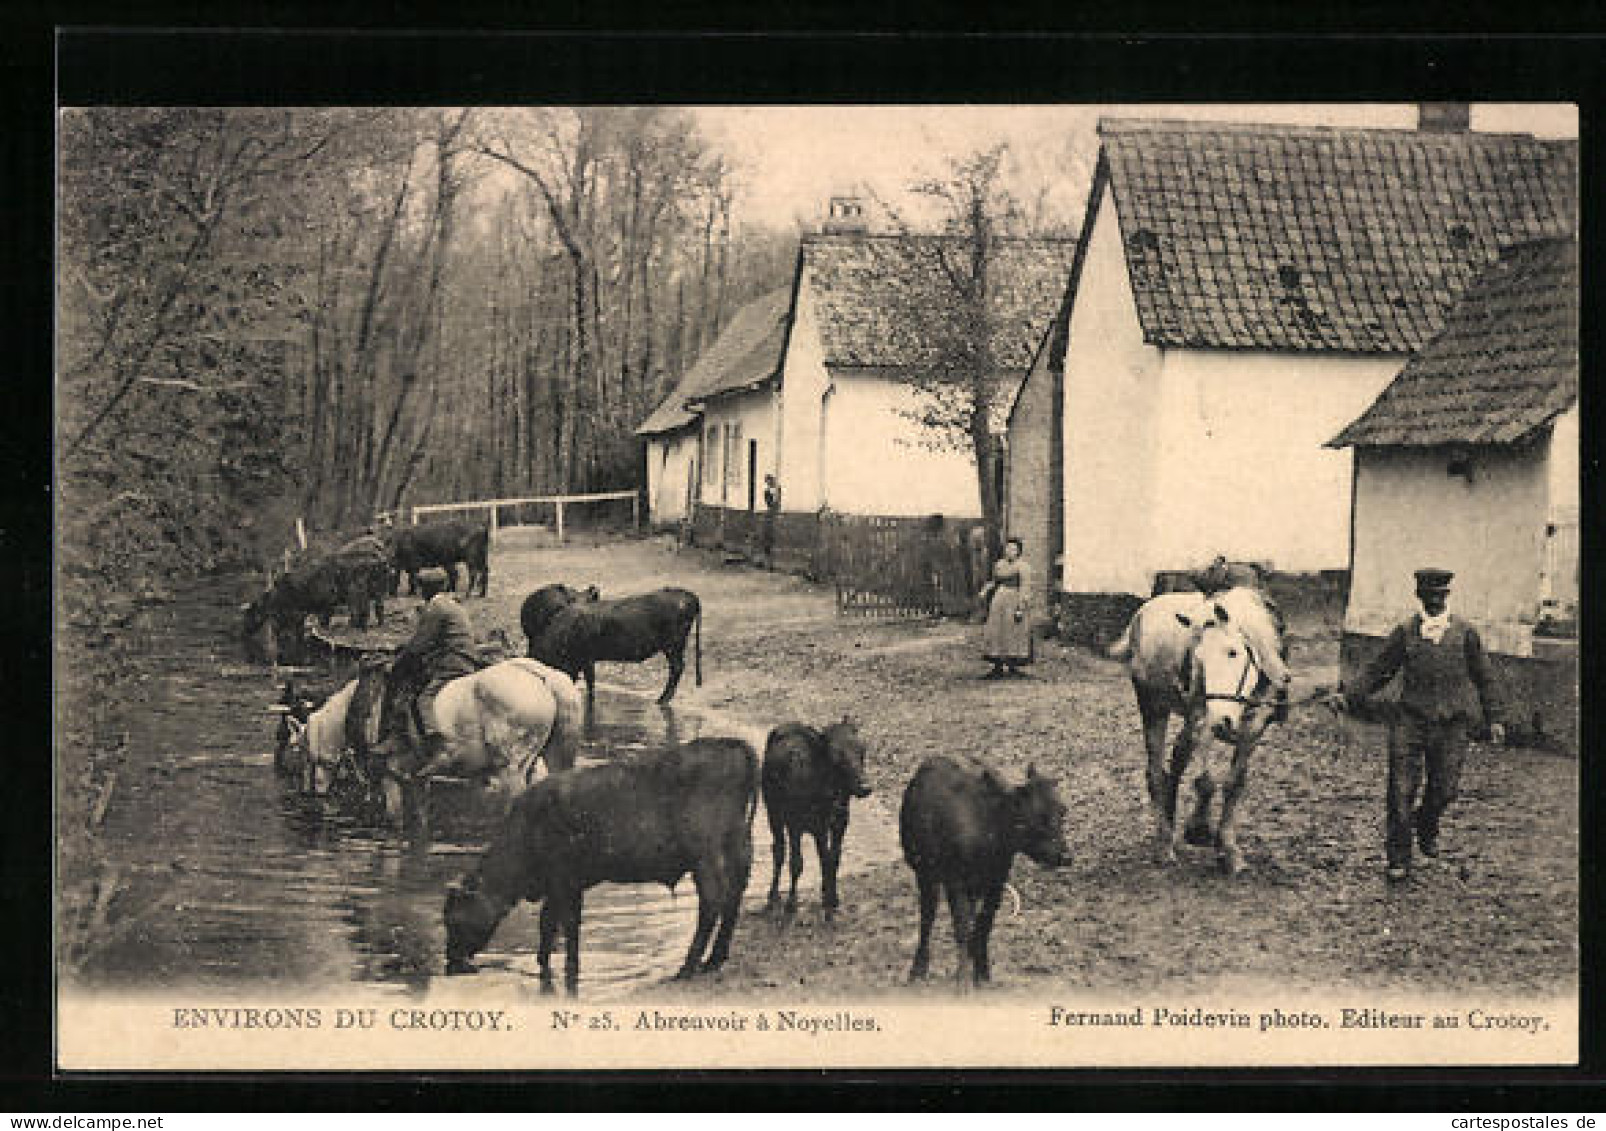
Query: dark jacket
{"type": "Point", "coordinates": [1441, 682]}
{"type": "Point", "coordinates": [443, 643]}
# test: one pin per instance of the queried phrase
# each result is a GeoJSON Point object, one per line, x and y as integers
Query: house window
{"type": "Point", "coordinates": [711, 454]}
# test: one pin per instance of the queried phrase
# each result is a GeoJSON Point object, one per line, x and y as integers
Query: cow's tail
{"type": "Point", "coordinates": [697, 627]}
{"type": "Point", "coordinates": [752, 788]}
{"type": "Point", "coordinates": [1125, 644]}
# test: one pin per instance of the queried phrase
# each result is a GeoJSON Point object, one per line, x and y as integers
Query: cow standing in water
{"type": "Point", "coordinates": [809, 777]}
{"type": "Point", "coordinates": [646, 820]}
{"type": "Point", "coordinates": [1218, 663]}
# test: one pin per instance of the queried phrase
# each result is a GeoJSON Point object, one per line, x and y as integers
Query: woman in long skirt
{"type": "Point", "coordinates": [1006, 642]}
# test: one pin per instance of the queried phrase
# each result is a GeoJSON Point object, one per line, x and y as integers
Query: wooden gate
{"type": "Point", "coordinates": [892, 567]}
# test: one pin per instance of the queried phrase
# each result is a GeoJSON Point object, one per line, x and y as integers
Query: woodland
{"type": "Point", "coordinates": [277, 313]}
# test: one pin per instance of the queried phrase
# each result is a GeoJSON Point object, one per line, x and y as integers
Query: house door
{"type": "Point", "coordinates": [752, 475]}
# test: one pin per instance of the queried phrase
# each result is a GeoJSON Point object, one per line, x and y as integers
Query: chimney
{"type": "Point", "coordinates": [845, 216]}
{"type": "Point", "coordinates": [1444, 117]}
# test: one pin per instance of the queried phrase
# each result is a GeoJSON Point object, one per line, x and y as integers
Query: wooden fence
{"type": "Point", "coordinates": [894, 567]}
{"type": "Point", "coordinates": [881, 566]}
{"type": "Point", "coordinates": [491, 506]}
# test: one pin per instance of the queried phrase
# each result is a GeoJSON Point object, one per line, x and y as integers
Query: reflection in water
{"type": "Point", "coordinates": [230, 880]}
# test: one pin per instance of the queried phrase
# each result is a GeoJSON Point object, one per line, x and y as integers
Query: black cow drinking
{"type": "Point", "coordinates": [320, 585]}
{"type": "Point", "coordinates": [961, 827]}
{"type": "Point", "coordinates": [648, 820]}
{"type": "Point", "coordinates": [630, 629]}
{"type": "Point", "coordinates": [809, 777]}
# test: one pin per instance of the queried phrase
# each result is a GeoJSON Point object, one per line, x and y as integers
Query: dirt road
{"type": "Point", "coordinates": [1497, 912]}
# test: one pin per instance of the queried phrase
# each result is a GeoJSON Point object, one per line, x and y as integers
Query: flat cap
{"type": "Point", "coordinates": [1430, 578]}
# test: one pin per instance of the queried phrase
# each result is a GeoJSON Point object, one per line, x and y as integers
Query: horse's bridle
{"type": "Point", "coordinates": [1238, 695]}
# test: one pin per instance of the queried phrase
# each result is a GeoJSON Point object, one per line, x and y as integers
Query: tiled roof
{"type": "Point", "coordinates": [885, 303]}
{"type": "Point", "coordinates": [1305, 238]}
{"type": "Point", "coordinates": [1505, 364]}
{"type": "Point", "coordinates": [746, 352]}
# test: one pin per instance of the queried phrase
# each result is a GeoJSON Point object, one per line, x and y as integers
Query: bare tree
{"type": "Point", "coordinates": [943, 295]}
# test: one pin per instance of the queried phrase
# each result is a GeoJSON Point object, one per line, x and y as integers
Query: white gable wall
{"type": "Point", "coordinates": [1409, 513]}
{"type": "Point", "coordinates": [1110, 460]}
{"type": "Point", "coordinates": [1559, 584]}
{"type": "Point", "coordinates": [1175, 455]}
{"type": "Point", "coordinates": [669, 460]}
{"type": "Point", "coordinates": [1564, 465]}
{"type": "Point", "coordinates": [881, 462]}
{"type": "Point", "coordinates": [1242, 469]}
{"type": "Point", "coordinates": [803, 385]}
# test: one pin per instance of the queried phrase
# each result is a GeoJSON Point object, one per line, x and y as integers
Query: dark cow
{"type": "Point", "coordinates": [808, 779]}
{"type": "Point", "coordinates": [961, 827]}
{"type": "Point", "coordinates": [647, 820]}
{"type": "Point", "coordinates": [630, 629]}
{"type": "Point", "coordinates": [366, 565]}
{"type": "Point", "coordinates": [444, 544]}
{"type": "Point", "coordinates": [547, 602]}
{"type": "Point", "coordinates": [319, 585]}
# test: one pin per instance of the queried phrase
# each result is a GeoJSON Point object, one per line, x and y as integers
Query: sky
{"type": "Point", "coordinates": [789, 160]}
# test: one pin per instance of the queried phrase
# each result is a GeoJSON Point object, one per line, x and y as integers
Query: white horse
{"type": "Point", "coordinates": [498, 721]}
{"type": "Point", "coordinates": [1218, 663]}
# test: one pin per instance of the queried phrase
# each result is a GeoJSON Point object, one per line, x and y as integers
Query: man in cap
{"type": "Point", "coordinates": [1447, 685]}
{"type": "Point", "coordinates": [440, 650]}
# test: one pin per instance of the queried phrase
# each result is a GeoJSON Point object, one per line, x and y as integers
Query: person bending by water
{"type": "Point", "coordinates": [1007, 638]}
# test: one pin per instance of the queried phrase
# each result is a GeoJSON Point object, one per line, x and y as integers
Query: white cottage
{"type": "Point", "coordinates": [1469, 461]}
{"type": "Point", "coordinates": [870, 317]}
{"type": "Point", "coordinates": [820, 385]}
{"type": "Point", "coordinates": [1239, 294]}
{"type": "Point", "coordinates": [692, 459]}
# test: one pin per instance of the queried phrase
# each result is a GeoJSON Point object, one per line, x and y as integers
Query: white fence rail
{"type": "Point", "coordinates": [491, 505]}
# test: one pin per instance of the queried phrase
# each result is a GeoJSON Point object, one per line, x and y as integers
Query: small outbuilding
{"type": "Point", "coordinates": [1469, 460]}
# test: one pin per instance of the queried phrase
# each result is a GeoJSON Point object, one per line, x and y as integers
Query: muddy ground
{"type": "Point", "coordinates": [1496, 913]}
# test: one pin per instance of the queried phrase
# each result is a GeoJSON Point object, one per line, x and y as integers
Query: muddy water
{"type": "Point", "coordinates": [227, 880]}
